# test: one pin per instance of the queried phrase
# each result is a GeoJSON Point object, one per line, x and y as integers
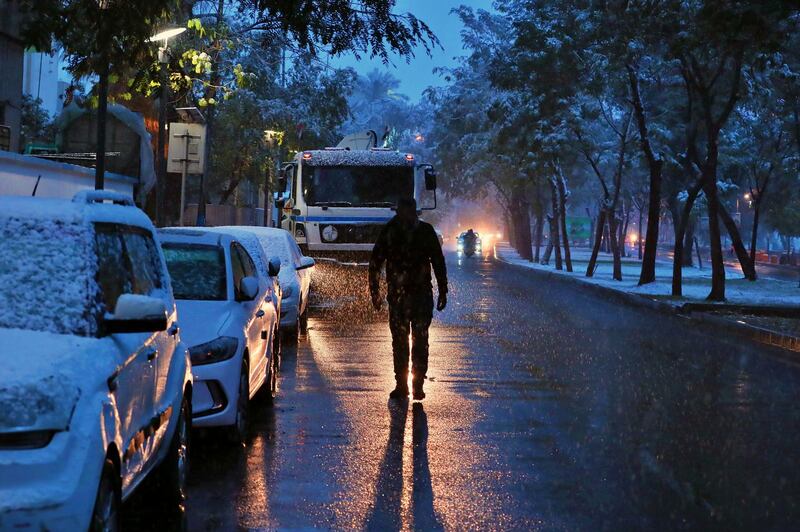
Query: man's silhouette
{"type": "Point", "coordinates": [409, 247]}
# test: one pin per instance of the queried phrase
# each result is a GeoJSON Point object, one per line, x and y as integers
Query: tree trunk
{"type": "Point", "coordinates": [548, 249]}
{"type": "Point", "coordinates": [688, 239]}
{"type": "Point", "coordinates": [601, 222]}
{"type": "Point", "coordinates": [738, 245]}
{"type": "Point", "coordinates": [562, 209]}
{"type": "Point", "coordinates": [754, 233]}
{"type": "Point", "coordinates": [613, 222]}
{"type": "Point", "coordinates": [623, 233]}
{"type": "Point", "coordinates": [715, 237]}
{"type": "Point", "coordinates": [539, 234]}
{"type": "Point", "coordinates": [684, 218]}
{"type": "Point", "coordinates": [525, 231]}
{"type": "Point", "coordinates": [555, 221]}
{"type": "Point", "coordinates": [639, 236]}
{"type": "Point", "coordinates": [655, 165]}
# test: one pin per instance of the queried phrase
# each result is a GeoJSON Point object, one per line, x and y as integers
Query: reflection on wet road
{"type": "Point", "coordinates": [547, 408]}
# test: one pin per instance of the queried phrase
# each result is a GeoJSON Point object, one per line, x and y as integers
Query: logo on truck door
{"type": "Point", "coordinates": [330, 233]}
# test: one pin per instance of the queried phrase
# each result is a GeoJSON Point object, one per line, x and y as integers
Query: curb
{"type": "Point", "coordinates": [779, 341]}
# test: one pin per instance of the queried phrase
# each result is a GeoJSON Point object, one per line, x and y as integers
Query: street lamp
{"type": "Point", "coordinates": [163, 58]}
{"type": "Point", "coordinates": [273, 138]}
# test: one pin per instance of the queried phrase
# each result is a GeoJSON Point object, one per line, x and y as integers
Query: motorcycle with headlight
{"type": "Point", "coordinates": [468, 243]}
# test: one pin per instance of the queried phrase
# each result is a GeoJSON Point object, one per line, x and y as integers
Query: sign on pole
{"type": "Point", "coordinates": [186, 153]}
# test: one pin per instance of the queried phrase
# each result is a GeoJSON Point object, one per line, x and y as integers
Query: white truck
{"type": "Point", "coordinates": [335, 201]}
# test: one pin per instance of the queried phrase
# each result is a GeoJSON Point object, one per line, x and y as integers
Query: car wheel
{"type": "Point", "coordinates": [106, 513]}
{"type": "Point", "coordinates": [291, 334]}
{"type": "Point", "coordinates": [237, 432]}
{"type": "Point", "coordinates": [174, 470]}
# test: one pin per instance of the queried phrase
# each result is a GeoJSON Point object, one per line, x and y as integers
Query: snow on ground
{"type": "Point", "coordinates": [696, 282]}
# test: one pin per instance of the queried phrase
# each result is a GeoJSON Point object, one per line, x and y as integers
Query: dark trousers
{"type": "Point", "coordinates": [411, 313]}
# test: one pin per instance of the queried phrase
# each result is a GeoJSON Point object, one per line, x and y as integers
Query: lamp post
{"type": "Point", "coordinates": [272, 138]}
{"type": "Point", "coordinates": [102, 97]}
{"type": "Point", "coordinates": [163, 59]}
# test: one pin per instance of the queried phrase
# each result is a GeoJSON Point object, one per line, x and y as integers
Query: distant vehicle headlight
{"type": "Point", "coordinates": [217, 350]}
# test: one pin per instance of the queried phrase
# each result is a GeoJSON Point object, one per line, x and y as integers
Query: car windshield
{"type": "Point", "coordinates": [362, 186]}
{"type": "Point", "coordinates": [46, 276]}
{"type": "Point", "coordinates": [197, 271]}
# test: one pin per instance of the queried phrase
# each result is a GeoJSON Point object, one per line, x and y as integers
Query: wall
{"type": "Point", "coordinates": [18, 174]}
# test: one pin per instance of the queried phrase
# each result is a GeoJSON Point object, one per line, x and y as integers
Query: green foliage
{"type": "Point", "coordinates": [37, 125]}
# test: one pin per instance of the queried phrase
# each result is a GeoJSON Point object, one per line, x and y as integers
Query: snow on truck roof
{"type": "Point", "coordinates": [341, 157]}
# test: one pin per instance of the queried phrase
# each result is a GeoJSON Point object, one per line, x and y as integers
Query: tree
{"type": "Point", "coordinates": [37, 124]}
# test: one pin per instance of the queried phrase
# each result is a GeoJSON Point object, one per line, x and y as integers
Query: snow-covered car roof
{"type": "Point", "coordinates": [47, 272]}
{"type": "Point", "coordinates": [86, 206]}
{"type": "Point", "coordinates": [340, 157]}
{"type": "Point", "coordinates": [251, 244]}
{"type": "Point", "coordinates": [275, 243]}
{"type": "Point", "coordinates": [193, 235]}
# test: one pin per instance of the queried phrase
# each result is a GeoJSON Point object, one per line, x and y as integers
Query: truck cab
{"type": "Point", "coordinates": [335, 201]}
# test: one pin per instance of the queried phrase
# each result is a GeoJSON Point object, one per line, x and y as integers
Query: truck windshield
{"type": "Point", "coordinates": [357, 186]}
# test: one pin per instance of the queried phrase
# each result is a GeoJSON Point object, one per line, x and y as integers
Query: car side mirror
{"type": "Point", "coordinates": [430, 179]}
{"type": "Point", "coordinates": [137, 313]}
{"type": "Point", "coordinates": [248, 288]}
{"type": "Point", "coordinates": [306, 262]}
{"type": "Point", "coordinates": [274, 266]}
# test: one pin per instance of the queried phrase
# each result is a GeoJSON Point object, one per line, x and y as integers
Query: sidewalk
{"type": "Point", "coordinates": [752, 309]}
{"type": "Point", "coordinates": [696, 282]}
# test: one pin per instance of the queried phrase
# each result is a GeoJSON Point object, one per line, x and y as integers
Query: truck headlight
{"type": "Point", "coordinates": [217, 350]}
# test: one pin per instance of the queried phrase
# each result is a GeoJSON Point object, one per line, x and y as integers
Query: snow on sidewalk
{"type": "Point", "coordinates": [696, 282]}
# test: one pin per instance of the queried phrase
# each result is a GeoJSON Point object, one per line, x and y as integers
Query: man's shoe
{"type": "Point", "coordinates": [400, 392]}
{"type": "Point", "coordinates": [419, 395]}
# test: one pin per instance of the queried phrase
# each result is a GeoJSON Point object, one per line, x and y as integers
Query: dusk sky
{"type": "Point", "coordinates": [416, 75]}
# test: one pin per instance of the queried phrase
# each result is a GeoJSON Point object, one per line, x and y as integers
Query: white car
{"type": "Point", "coordinates": [230, 324]}
{"type": "Point", "coordinates": [295, 276]}
{"type": "Point", "coordinates": [95, 382]}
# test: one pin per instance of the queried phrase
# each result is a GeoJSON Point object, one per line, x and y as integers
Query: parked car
{"type": "Point", "coordinates": [95, 382]}
{"type": "Point", "coordinates": [269, 268]}
{"type": "Point", "coordinates": [230, 324]}
{"type": "Point", "coordinates": [295, 276]}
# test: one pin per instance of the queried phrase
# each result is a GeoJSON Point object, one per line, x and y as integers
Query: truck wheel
{"type": "Point", "coordinates": [173, 471]}
{"type": "Point", "coordinates": [237, 433]}
{"type": "Point", "coordinates": [106, 513]}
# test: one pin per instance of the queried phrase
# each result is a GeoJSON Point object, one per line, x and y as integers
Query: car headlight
{"type": "Point", "coordinates": [217, 350]}
{"type": "Point", "coordinates": [31, 413]}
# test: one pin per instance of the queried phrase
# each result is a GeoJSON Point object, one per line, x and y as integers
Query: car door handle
{"type": "Point", "coordinates": [174, 329]}
{"type": "Point", "coordinates": [152, 353]}
{"type": "Point", "coordinates": [260, 314]}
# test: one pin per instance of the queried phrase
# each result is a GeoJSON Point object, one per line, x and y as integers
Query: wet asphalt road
{"type": "Point", "coordinates": [548, 408]}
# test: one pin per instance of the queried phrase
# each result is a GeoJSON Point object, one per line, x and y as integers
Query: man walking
{"type": "Point", "coordinates": [409, 247]}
